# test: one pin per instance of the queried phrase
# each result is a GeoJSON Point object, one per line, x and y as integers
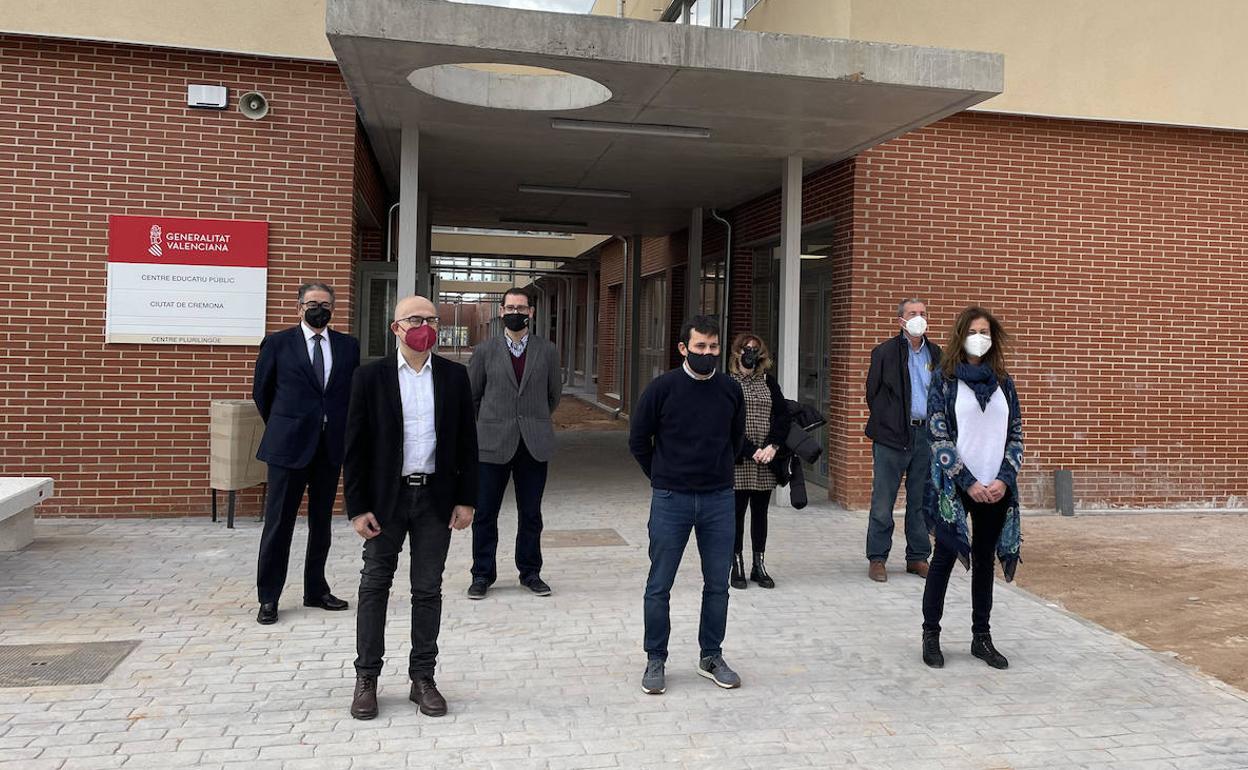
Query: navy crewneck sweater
{"type": "Point", "coordinates": [686, 433]}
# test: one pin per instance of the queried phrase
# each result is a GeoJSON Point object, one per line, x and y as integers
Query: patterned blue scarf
{"type": "Point", "coordinates": [981, 379]}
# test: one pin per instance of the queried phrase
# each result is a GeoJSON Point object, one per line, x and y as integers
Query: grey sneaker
{"type": "Point", "coordinates": [654, 682]}
{"type": "Point", "coordinates": [714, 668]}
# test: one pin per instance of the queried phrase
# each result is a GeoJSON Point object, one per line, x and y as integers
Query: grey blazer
{"type": "Point", "coordinates": [507, 411]}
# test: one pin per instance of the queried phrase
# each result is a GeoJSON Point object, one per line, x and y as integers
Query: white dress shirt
{"type": "Point", "coordinates": [420, 440]}
{"type": "Point", "coordinates": [308, 332]}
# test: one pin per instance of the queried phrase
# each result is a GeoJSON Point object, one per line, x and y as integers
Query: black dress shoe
{"type": "Point", "coordinates": [537, 586]}
{"type": "Point", "coordinates": [425, 694]}
{"type": "Point", "coordinates": [364, 703]}
{"type": "Point", "coordinates": [267, 615]}
{"type": "Point", "coordinates": [327, 602]}
{"type": "Point", "coordinates": [478, 588]}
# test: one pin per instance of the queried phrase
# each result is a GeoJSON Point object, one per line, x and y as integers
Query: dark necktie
{"type": "Point", "coordinates": [318, 361]}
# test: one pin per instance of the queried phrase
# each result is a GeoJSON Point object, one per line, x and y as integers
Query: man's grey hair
{"type": "Point", "coordinates": [901, 306]}
{"type": "Point", "coordinates": [315, 286]}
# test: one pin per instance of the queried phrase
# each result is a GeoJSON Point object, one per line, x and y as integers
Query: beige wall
{"type": "Point", "coordinates": [287, 28]}
{"type": "Point", "coordinates": [1154, 61]}
{"type": "Point", "coordinates": [650, 10]}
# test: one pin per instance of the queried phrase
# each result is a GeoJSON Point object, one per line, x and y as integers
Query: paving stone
{"type": "Point", "coordinates": [829, 659]}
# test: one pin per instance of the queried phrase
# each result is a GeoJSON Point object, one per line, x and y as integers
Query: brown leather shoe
{"type": "Point", "coordinates": [425, 694]}
{"type": "Point", "coordinates": [917, 568]}
{"type": "Point", "coordinates": [877, 572]}
{"type": "Point", "coordinates": [364, 704]}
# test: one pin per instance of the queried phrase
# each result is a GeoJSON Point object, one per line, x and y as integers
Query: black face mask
{"type": "Point", "coordinates": [317, 317]}
{"type": "Point", "coordinates": [702, 363]}
{"type": "Point", "coordinates": [516, 321]}
{"type": "Point", "coordinates": [749, 357]}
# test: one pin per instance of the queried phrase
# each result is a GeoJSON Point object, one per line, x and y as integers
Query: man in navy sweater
{"type": "Point", "coordinates": [686, 432]}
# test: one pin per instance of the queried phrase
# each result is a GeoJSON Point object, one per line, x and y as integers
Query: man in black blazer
{"type": "Point", "coordinates": [302, 382]}
{"type": "Point", "coordinates": [411, 471]}
{"type": "Point", "coordinates": [897, 383]}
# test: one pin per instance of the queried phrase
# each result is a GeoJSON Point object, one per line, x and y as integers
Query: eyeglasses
{"type": "Point", "coordinates": [418, 320]}
{"type": "Point", "coordinates": [515, 308]}
{"type": "Point", "coordinates": [311, 304]}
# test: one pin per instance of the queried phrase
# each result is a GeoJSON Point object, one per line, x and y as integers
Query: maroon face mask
{"type": "Point", "coordinates": [420, 338]}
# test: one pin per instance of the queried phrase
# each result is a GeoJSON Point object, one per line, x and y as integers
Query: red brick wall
{"type": "Point", "coordinates": [92, 129]}
{"type": "Point", "coordinates": [1113, 253]}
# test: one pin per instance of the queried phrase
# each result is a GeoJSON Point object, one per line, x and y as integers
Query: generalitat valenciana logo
{"type": "Point", "coordinates": [155, 250]}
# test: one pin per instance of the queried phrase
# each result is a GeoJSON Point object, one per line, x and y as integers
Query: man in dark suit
{"type": "Point", "coordinates": [302, 382]}
{"type": "Point", "coordinates": [897, 384]}
{"type": "Point", "coordinates": [411, 472]}
{"type": "Point", "coordinates": [516, 384]}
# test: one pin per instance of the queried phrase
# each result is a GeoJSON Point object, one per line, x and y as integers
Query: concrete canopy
{"type": "Point", "coordinates": [761, 96]}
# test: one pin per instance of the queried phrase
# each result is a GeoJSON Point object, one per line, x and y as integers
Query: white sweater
{"type": "Point", "coordinates": [982, 433]}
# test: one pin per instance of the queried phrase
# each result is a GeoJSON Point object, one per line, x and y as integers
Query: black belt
{"type": "Point", "coordinates": [418, 479]}
{"type": "Point", "coordinates": [917, 423]}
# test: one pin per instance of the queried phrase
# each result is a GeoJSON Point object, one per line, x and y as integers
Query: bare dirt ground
{"type": "Point", "coordinates": [1176, 582]}
{"type": "Point", "coordinates": [575, 414]}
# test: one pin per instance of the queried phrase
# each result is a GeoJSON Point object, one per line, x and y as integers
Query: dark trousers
{"type": "Point", "coordinates": [415, 516]}
{"type": "Point", "coordinates": [529, 476]}
{"type": "Point", "coordinates": [987, 520]}
{"type": "Point", "coordinates": [887, 467]}
{"type": "Point", "coordinates": [281, 509]}
{"type": "Point", "coordinates": [672, 516]}
{"type": "Point", "coordinates": [757, 502]}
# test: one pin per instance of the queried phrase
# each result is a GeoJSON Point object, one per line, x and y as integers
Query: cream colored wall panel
{"type": "Point", "coordinates": [287, 28]}
{"type": "Point", "coordinates": [1153, 61]}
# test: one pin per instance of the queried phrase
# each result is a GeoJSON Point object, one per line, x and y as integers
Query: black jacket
{"type": "Point", "coordinates": [292, 403]}
{"type": "Point", "coordinates": [374, 462]}
{"type": "Point", "coordinates": [888, 391]}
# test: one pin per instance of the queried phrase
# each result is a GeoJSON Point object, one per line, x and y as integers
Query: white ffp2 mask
{"type": "Point", "coordinates": [916, 326]}
{"type": "Point", "coordinates": [977, 345]}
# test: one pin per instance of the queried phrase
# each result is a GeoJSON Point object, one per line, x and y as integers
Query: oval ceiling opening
{"type": "Point", "coordinates": [509, 86]}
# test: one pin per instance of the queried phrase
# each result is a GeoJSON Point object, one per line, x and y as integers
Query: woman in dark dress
{"type": "Point", "coordinates": [766, 426]}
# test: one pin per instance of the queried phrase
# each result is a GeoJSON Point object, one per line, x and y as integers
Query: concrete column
{"type": "Point", "coordinates": [790, 272]}
{"type": "Point", "coordinates": [424, 248]}
{"type": "Point", "coordinates": [591, 326]}
{"type": "Point", "coordinates": [410, 226]}
{"type": "Point", "coordinates": [693, 290]}
{"type": "Point", "coordinates": [634, 315]}
{"type": "Point", "coordinates": [569, 365]}
{"type": "Point", "coordinates": [790, 286]}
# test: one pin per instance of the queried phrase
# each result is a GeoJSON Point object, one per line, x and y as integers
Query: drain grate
{"type": "Point", "coordinates": [581, 538]}
{"type": "Point", "coordinates": [40, 665]}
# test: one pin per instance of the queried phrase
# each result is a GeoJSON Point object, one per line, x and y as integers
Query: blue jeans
{"type": "Point", "coordinates": [712, 517]}
{"type": "Point", "coordinates": [888, 466]}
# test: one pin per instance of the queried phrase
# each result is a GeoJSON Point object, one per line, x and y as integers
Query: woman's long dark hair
{"type": "Point", "coordinates": [953, 353]}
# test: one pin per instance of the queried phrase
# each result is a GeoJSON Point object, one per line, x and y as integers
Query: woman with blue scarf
{"type": "Point", "coordinates": [977, 448]}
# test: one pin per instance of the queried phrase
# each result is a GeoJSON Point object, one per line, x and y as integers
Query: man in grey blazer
{"type": "Point", "coordinates": [516, 384]}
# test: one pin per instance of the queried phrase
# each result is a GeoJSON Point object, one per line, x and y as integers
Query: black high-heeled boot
{"type": "Point", "coordinates": [981, 647]}
{"type": "Point", "coordinates": [932, 655]}
{"type": "Point", "coordinates": [737, 580]}
{"type": "Point", "coordinates": [759, 573]}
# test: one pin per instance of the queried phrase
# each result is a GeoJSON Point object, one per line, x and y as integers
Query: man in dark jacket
{"type": "Point", "coordinates": [410, 475]}
{"type": "Point", "coordinates": [897, 382]}
{"type": "Point", "coordinates": [301, 385]}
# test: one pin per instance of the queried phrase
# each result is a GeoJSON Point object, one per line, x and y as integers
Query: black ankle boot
{"type": "Point", "coordinates": [759, 573]}
{"type": "Point", "coordinates": [737, 580]}
{"type": "Point", "coordinates": [932, 655]}
{"type": "Point", "coordinates": [981, 647]}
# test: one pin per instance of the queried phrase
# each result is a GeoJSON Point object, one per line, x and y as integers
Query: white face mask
{"type": "Point", "coordinates": [977, 345]}
{"type": "Point", "coordinates": [916, 326]}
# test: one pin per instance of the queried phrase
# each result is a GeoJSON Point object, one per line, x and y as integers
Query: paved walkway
{"type": "Point", "coordinates": [830, 661]}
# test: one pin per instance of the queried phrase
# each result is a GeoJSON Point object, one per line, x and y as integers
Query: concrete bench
{"type": "Point", "coordinates": [18, 498]}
